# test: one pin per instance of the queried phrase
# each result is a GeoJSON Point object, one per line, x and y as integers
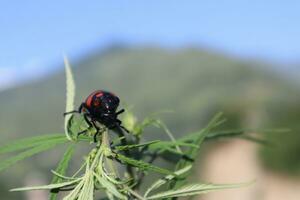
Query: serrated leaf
{"type": "Point", "coordinates": [192, 153]}
{"type": "Point", "coordinates": [75, 192]}
{"type": "Point", "coordinates": [142, 165]}
{"type": "Point", "coordinates": [169, 134]}
{"type": "Point", "coordinates": [195, 189]}
{"type": "Point", "coordinates": [239, 134]}
{"type": "Point", "coordinates": [127, 147]}
{"type": "Point", "coordinates": [46, 187]}
{"type": "Point", "coordinates": [164, 145]}
{"type": "Point", "coordinates": [62, 176]}
{"type": "Point", "coordinates": [256, 140]}
{"type": "Point", "coordinates": [159, 124]}
{"type": "Point", "coordinates": [87, 191]}
{"type": "Point", "coordinates": [70, 96]}
{"type": "Point", "coordinates": [164, 180]}
{"type": "Point", "coordinates": [21, 156]}
{"type": "Point", "coordinates": [109, 187]}
{"type": "Point", "coordinates": [225, 133]}
{"type": "Point", "coordinates": [200, 138]}
{"type": "Point", "coordinates": [29, 142]}
{"type": "Point", "coordinates": [61, 168]}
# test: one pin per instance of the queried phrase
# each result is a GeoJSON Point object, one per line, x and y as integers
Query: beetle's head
{"type": "Point", "coordinates": [109, 103]}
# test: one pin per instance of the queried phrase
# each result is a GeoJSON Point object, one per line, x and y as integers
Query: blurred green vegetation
{"type": "Point", "coordinates": [194, 83]}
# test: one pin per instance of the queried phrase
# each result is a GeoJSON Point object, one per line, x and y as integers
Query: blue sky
{"type": "Point", "coordinates": [34, 34]}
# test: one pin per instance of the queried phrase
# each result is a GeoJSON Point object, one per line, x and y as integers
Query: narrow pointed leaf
{"type": "Point", "coordinates": [192, 153]}
{"type": "Point", "coordinates": [75, 192]}
{"type": "Point", "coordinates": [29, 142]}
{"type": "Point", "coordinates": [195, 189]}
{"type": "Point", "coordinates": [109, 187]}
{"type": "Point", "coordinates": [162, 145]}
{"type": "Point", "coordinates": [87, 191]}
{"type": "Point", "coordinates": [46, 187]}
{"type": "Point", "coordinates": [127, 147]}
{"type": "Point", "coordinates": [142, 165]}
{"type": "Point", "coordinates": [61, 168]}
{"type": "Point", "coordinates": [35, 150]}
{"type": "Point", "coordinates": [199, 139]}
{"type": "Point", "coordinates": [70, 96]}
{"type": "Point", "coordinates": [164, 180]}
{"type": "Point", "coordinates": [256, 140]}
{"type": "Point", "coordinates": [170, 135]}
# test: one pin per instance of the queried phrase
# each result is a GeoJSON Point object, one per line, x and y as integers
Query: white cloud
{"type": "Point", "coordinates": [7, 77]}
{"type": "Point", "coordinates": [11, 76]}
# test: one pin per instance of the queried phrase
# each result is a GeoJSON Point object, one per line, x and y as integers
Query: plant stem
{"type": "Point", "coordinates": [106, 145]}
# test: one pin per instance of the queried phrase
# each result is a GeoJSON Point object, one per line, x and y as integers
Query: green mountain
{"type": "Point", "coordinates": [193, 83]}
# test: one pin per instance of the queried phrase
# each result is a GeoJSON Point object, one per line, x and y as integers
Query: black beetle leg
{"type": "Point", "coordinates": [120, 111]}
{"type": "Point", "coordinates": [82, 132]}
{"type": "Point", "coordinates": [95, 136]}
{"type": "Point", "coordinates": [125, 129]}
{"type": "Point", "coordinates": [85, 116]}
{"type": "Point", "coordinates": [118, 123]}
{"type": "Point", "coordinates": [97, 130]}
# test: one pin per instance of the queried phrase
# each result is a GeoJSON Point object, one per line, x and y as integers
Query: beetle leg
{"type": "Point", "coordinates": [120, 111]}
{"type": "Point", "coordinates": [95, 137]}
{"type": "Point", "coordinates": [85, 116]}
{"type": "Point", "coordinates": [119, 122]}
{"type": "Point", "coordinates": [97, 130]}
{"type": "Point", "coordinates": [82, 132]}
{"type": "Point", "coordinates": [125, 129]}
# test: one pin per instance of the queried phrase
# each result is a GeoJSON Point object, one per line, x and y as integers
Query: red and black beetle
{"type": "Point", "coordinates": [101, 106]}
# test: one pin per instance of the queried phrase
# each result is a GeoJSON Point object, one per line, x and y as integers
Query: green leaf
{"type": "Point", "coordinates": [159, 124]}
{"type": "Point", "coordinates": [241, 133]}
{"type": "Point", "coordinates": [109, 187]}
{"type": "Point", "coordinates": [62, 176]}
{"type": "Point", "coordinates": [164, 145]}
{"type": "Point", "coordinates": [46, 187]}
{"type": "Point", "coordinates": [192, 153]}
{"type": "Point", "coordinates": [142, 165]}
{"type": "Point", "coordinates": [61, 168]}
{"type": "Point", "coordinates": [70, 96]}
{"type": "Point", "coordinates": [194, 189]}
{"type": "Point", "coordinates": [87, 191]}
{"type": "Point", "coordinates": [75, 192]}
{"type": "Point", "coordinates": [225, 133]}
{"type": "Point", "coordinates": [168, 132]}
{"type": "Point", "coordinates": [200, 138]}
{"type": "Point", "coordinates": [30, 142]}
{"type": "Point", "coordinates": [164, 180]}
{"type": "Point", "coordinates": [256, 140]}
{"type": "Point", "coordinates": [11, 161]}
{"type": "Point", "coordinates": [127, 147]}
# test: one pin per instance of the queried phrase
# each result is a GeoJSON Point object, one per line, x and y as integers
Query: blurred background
{"type": "Point", "coordinates": [193, 57]}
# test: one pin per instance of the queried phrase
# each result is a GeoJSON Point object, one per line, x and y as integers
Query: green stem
{"type": "Point", "coordinates": [106, 146]}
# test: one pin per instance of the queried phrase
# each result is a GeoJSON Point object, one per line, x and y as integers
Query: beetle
{"type": "Point", "coordinates": [100, 106]}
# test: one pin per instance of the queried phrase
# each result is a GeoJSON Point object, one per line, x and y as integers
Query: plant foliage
{"type": "Point", "coordinates": [117, 166]}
